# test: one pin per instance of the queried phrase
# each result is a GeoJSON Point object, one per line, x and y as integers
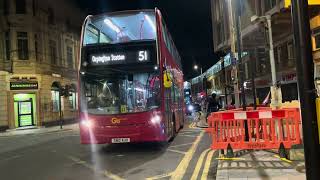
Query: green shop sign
{"type": "Point", "coordinates": [23, 85]}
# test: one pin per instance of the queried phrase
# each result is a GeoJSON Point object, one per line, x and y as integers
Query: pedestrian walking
{"type": "Point", "coordinates": [212, 105]}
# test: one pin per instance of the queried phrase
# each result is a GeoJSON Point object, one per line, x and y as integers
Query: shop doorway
{"type": "Point", "coordinates": [25, 110]}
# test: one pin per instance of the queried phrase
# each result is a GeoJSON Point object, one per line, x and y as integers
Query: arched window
{"type": "Point", "coordinates": [55, 96]}
{"type": "Point", "coordinates": [73, 98]}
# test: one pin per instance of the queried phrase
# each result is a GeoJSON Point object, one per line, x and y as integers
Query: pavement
{"type": "Point", "coordinates": [265, 165]}
{"type": "Point", "coordinates": [37, 130]}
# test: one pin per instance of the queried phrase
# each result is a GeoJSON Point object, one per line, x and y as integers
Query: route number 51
{"type": "Point", "coordinates": [143, 56]}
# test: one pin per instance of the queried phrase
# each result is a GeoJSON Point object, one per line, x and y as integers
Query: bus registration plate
{"type": "Point", "coordinates": [120, 140]}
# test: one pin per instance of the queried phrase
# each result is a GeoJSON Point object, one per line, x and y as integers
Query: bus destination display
{"type": "Point", "coordinates": [115, 58]}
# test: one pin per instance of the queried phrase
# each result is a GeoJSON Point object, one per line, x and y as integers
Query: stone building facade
{"type": "Point", "coordinates": [39, 43]}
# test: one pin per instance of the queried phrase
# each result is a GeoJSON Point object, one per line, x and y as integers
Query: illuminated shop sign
{"type": "Point", "coordinates": [140, 56]}
{"type": "Point", "coordinates": [23, 85]}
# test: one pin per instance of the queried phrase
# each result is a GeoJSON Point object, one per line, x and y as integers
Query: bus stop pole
{"type": "Point", "coordinates": [307, 93]}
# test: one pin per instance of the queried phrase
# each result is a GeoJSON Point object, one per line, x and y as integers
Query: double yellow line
{"type": "Point", "coordinates": [193, 125]}
{"type": "Point", "coordinates": [207, 164]}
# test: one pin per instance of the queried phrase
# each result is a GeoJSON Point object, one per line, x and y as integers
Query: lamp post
{"type": "Point", "coordinates": [274, 89]}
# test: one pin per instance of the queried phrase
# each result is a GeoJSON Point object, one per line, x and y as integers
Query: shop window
{"type": "Point", "coordinates": [20, 6]}
{"type": "Point", "coordinates": [70, 56]}
{"type": "Point", "coordinates": [53, 51]}
{"type": "Point", "coordinates": [23, 50]}
{"type": "Point", "coordinates": [8, 44]}
{"type": "Point", "coordinates": [317, 40]}
{"type": "Point", "coordinates": [55, 97]}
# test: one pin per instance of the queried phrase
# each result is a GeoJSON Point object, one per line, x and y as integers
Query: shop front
{"type": "Point", "coordinates": [23, 98]}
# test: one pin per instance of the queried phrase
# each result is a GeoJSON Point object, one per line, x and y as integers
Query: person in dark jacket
{"type": "Point", "coordinates": [212, 105]}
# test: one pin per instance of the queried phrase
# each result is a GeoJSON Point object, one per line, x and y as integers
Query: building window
{"type": "Point", "coordinates": [53, 51]}
{"type": "Point", "coordinates": [8, 44]}
{"type": "Point", "coordinates": [20, 6]}
{"type": "Point", "coordinates": [317, 40]}
{"type": "Point", "coordinates": [73, 100]}
{"type": "Point", "coordinates": [23, 50]}
{"type": "Point", "coordinates": [70, 56]}
{"type": "Point", "coordinates": [55, 96]}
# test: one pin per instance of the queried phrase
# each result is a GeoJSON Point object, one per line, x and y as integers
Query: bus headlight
{"type": "Point", "coordinates": [155, 119]}
{"type": "Point", "coordinates": [87, 123]}
{"type": "Point", "coordinates": [190, 108]}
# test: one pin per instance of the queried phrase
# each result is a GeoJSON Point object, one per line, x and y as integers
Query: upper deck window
{"type": "Point", "coordinates": [120, 27]}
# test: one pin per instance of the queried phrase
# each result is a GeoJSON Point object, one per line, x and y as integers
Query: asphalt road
{"type": "Point", "coordinates": [56, 156]}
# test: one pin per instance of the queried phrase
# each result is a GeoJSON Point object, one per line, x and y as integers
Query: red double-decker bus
{"type": "Point", "coordinates": [130, 79]}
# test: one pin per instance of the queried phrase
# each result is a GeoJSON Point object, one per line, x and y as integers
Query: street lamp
{"type": "Point", "coordinates": [196, 67]}
{"type": "Point", "coordinates": [274, 89]}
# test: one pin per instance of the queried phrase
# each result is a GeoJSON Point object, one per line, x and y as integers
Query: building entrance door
{"type": "Point", "coordinates": [25, 110]}
{"type": "Point", "coordinates": [25, 113]}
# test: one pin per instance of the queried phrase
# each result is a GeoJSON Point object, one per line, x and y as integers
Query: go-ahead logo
{"type": "Point", "coordinates": [115, 120]}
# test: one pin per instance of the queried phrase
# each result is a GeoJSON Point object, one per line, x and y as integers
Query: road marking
{"type": "Point", "coordinates": [191, 125]}
{"type": "Point", "coordinates": [231, 159]}
{"type": "Point", "coordinates": [180, 145]}
{"type": "Point", "coordinates": [85, 164]}
{"type": "Point", "coordinates": [188, 135]}
{"type": "Point", "coordinates": [283, 159]}
{"type": "Point", "coordinates": [183, 165]}
{"type": "Point", "coordinates": [207, 164]}
{"type": "Point", "coordinates": [199, 165]}
{"type": "Point", "coordinates": [191, 130]}
{"type": "Point", "coordinates": [112, 176]}
{"type": "Point", "coordinates": [176, 151]}
{"type": "Point", "coordinates": [159, 176]}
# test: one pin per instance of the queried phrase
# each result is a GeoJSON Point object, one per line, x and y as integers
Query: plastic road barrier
{"type": "Point", "coordinates": [267, 129]}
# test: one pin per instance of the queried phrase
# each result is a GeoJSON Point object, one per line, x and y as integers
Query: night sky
{"type": "Point", "coordinates": [189, 22]}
